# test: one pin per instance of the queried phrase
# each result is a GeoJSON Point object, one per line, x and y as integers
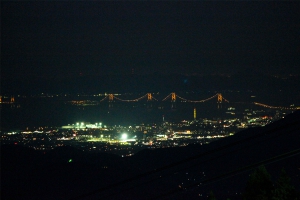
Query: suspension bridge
{"type": "Point", "coordinates": [173, 97]}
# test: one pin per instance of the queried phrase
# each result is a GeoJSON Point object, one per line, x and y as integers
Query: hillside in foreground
{"type": "Point", "coordinates": [172, 173]}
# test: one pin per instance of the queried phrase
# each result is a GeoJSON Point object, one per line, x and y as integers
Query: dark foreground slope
{"type": "Point", "coordinates": [190, 172]}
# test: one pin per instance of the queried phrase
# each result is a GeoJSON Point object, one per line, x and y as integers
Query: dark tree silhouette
{"type": "Point", "coordinates": [259, 186]}
{"type": "Point", "coordinates": [283, 189]}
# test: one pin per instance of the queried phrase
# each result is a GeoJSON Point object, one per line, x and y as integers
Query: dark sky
{"type": "Point", "coordinates": [68, 38]}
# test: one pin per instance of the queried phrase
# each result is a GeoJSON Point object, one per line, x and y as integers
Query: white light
{"type": "Point", "coordinates": [124, 136]}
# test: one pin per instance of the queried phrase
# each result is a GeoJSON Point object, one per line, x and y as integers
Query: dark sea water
{"type": "Point", "coordinates": [57, 111]}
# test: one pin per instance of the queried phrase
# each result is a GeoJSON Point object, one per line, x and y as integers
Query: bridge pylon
{"type": "Point", "coordinates": [110, 97]}
{"type": "Point", "coordinates": [173, 97]}
{"type": "Point", "coordinates": [110, 100]}
{"type": "Point", "coordinates": [149, 97]}
{"type": "Point", "coordinates": [220, 98]}
{"type": "Point", "coordinates": [149, 100]}
{"type": "Point", "coordinates": [173, 100]}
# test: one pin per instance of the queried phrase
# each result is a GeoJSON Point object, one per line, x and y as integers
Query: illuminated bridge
{"type": "Point", "coordinates": [173, 97]}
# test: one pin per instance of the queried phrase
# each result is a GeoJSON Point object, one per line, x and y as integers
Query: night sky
{"type": "Point", "coordinates": [69, 38]}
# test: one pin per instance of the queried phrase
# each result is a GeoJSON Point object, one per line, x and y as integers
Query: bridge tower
{"type": "Point", "coordinates": [195, 113]}
{"type": "Point", "coordinates": [149, 99]}
{"type": "Point", "coordinates": [110, 97]}
{"type": "Point", "coordinates": [173, 97]}
{"type": "Point", "coordinates": [173, 100]}
{"type": "Point", "coordinates": [220, 99]}
{"type": "Point", "coordinates": [110, 100]}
